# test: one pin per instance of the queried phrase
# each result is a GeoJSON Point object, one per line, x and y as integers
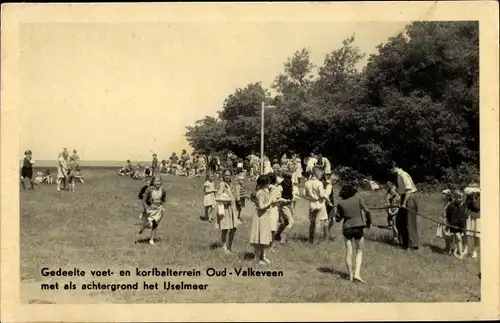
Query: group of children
{"type": "Point", "coordinates": [461, 219]}
{"type": "Point", "coordinates": [68, 171]}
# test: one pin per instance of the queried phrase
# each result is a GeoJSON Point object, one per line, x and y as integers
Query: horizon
{"type": "Point", "coordinates": [123, 91]}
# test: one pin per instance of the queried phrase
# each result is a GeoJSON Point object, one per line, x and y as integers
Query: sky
{"type": "Point", "coordinates": [125, 90]}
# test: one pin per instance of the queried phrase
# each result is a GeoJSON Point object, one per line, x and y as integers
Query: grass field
{"type": "Point", "coordinates": [96, 228]}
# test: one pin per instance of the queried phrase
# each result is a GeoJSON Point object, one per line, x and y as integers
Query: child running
{"type": "Point", "coordinates": [240, 195]}
{"type": "Point", "coordinates": [209, 196]}
{"type": "Point", "coordinates": [153, 203]}
{"type": "Point", "coordinates": [350, 209]}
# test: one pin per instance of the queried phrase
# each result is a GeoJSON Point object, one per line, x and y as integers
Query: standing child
{"type": "Point", "coordinates": [328, 185]}
{"type": "Point", "coordinates": [350, 209]}
{"type": "Point", "coordinates": [209, 196]}
{"type": "Point", "coordinates": [153, 203]}
{"type": "Point", "coordinates": [445, 233]}
{"type": "Point", "coordinates": [260, 233]}
{"type": "Point", "coordinates": [154, 165]}
{"type": "Point", "coordinates": [473, 202]}
{"type": "Point", "coordinates": [227, 220]}
{"type": "Point", "coordinates": [27, 169]}
{"type": "Point", "coordinates": [72, 173]}
{"type": "Point", "coordinates": [240, 195]}
{"type": "Point", "coordinates": [392, 199]}
{"type": "Point", "coordinates": [275, 196]}
{"type": "Point", "coordinates": [456, 217]}
{"type": "Point", "coordinates": [286, 208]}
{"type": "Point", "coordinates": [62, 170]}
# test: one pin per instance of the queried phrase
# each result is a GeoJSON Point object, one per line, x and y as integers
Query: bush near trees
{"type": "Point", "coordinates": [416, 101]}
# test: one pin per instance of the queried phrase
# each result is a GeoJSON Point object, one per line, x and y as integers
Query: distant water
{"type": "Point", "coordinates": [89, 163]}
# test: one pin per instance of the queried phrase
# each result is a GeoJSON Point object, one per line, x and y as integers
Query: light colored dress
{"type": "Point", "coordinates": [156, 210]}
{"type": "Point", "coordinates": [274, 214]}
{"type": "Point", "coordinates": [260, 232]}
{"type": "Point", "coordinates": [209, 190]}
{"type": "Point", "coordinates": [62, 168]}
{"type": "Point", "coordinates": [227, 216]}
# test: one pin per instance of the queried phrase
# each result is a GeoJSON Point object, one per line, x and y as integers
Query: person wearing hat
{"type": "Point", "coordinates": [27, 169]}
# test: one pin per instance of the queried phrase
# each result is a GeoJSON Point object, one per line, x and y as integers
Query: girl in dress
{"type": "Point", "coordinates": [226, 212]}
{"type": "Point", "coordinates": [153, 203]}
{"type": "Point", "coordinates": [62, 170]}
{"type": "Point", "coordinates": [473, 202]}
{"type": "Point", "coordinates": [350, 209]}
{"type": "Point", "coordinates": [209, 196]}
{"type": "Point", "coordinates": [260, 234]}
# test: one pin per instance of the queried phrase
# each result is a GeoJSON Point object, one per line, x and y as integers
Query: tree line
{"type": "Point", "coordinates": [416, 101]}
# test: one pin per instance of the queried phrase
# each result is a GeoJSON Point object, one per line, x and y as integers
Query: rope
{"type": "Point", "coordinates": [423, 216]}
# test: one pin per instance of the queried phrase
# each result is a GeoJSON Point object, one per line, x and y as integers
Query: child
{"type": "Point", "coordinates": [447, 235]}
{"type": "Point", "coordinates": [286, 208]}
{"type": "Point", "coordinates": [154, 165]}
{"type": "Point", "coordinates": [138, 174]}
{"type": "Point", "coordinates": [72, 173]}
{"type": "Point", "coordinates": [62, 170]}
{"type": "Point", "coordinates": [350, 209]}
{"type": "Point", "coordinates": [328, 186]}
{"type": "Point", "coordinates": [240, 195]}
{"type": "Point", "coordinates": [153, 201]}
{"type": "Point", "coordinates": [260, 233]}
{"type": "Point", "coordinates": [275, 196]}
{"type": "Point", "coordinates": [27, 169]}
{"type": "Point", "coordinates": [392, 199]}
{"type": "Point", "coordinates": [38, 178]}
{"type": "Point", "coordinates": [209, 196]}
{"type": "Point", "coordinates": [473, 203]}
{"type": "Point", "coordinates": [147, 171]}
{"type": "Point", "coordinates": [456, 219]}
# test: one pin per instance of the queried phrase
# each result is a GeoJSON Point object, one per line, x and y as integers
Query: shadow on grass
{"type": "Point", "coordinates": [146, 240]}
{"type": "Point", "coordinates": [328, 270]}
{"type": "Point", "coordinates": [435, 249]}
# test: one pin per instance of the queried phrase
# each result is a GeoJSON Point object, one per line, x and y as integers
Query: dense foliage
{"type": "Point", "coordinates": [416, 101]}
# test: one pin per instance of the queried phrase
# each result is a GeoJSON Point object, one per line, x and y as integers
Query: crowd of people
{"type": "Point", "coordinates": [68, 171]}
{"type": "Point", "coordinates": [278, 187]}
{"type": "Point", "coordinates": [284, 181]}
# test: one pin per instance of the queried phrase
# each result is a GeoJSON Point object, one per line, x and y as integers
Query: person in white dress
{"type": "Point", "coordinates": [62, 169]}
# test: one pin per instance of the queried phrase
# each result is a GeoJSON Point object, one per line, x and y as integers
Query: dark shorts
{"type": "Point", "coordinates": [27, 172]}
{"type": "Point", "coordinates": [355, 233]}
{"type": "Point", "coordinates": [240, 204]}
{"type": "Point", "coordinates": [458, 226]}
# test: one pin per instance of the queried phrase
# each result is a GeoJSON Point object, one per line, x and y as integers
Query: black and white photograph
{"type": "Point", "coordinates": [231, 154]}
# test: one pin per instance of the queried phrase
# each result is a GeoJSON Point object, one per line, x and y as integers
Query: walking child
{"type": "Point", "coordinates": [350, 209]}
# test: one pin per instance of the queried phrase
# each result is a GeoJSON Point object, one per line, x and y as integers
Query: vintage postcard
{"type": "Point", "coordinates": [249, 161]}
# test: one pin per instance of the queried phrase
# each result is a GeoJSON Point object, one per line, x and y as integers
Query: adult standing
{"type": "Point", "coordinates": [406, 220]}
{"type": "Point", "coordinates": [62, 169]}
{"type": "Point", "coordinates": [324, 163]}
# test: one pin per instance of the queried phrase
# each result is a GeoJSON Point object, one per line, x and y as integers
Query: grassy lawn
{"type": "Point", "coordinates": [96, 228]}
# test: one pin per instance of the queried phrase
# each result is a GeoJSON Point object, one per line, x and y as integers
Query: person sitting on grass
{"type": "Point", "coordinates": [47, 177]}
{"type": "Point", "coordinates": [38, 178]}
{"type": "Point", "coordinates": [153, 202]}
{"type": "Point", "coordinates": [126, 170]}
{"type": "Point", "coordinates": [138, 174]}
{"type": "Point", "coordinates": [350, 209]}
{"type": "Point", "coordinates": [147, 171]}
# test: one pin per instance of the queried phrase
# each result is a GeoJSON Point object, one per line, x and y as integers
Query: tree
{"type": "Point", "coordinates": [207, 135]}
